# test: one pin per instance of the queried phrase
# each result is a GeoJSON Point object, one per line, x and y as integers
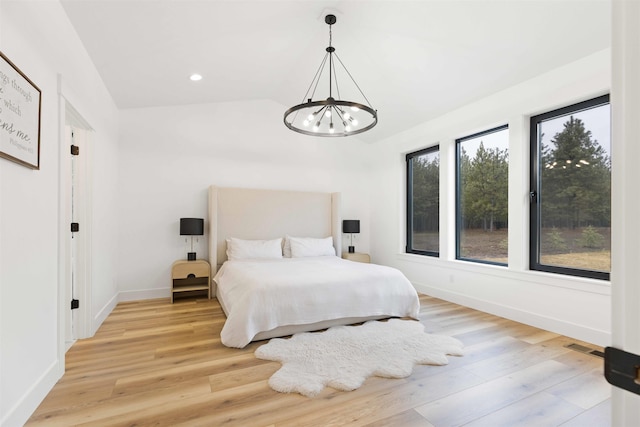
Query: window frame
{"type": "Point", "coordinates": [409, 202]}
{"type": "Point", "coordinates": [534, 191]}
{"type": "Point", "coordinates": [458, 198]}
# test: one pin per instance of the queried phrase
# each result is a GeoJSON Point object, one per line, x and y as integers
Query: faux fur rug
{"type": "Point", "coordinates": [342, 357]}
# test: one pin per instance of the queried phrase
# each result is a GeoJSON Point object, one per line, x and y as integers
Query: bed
{"type": "Point", "coordinates": [278, 296]}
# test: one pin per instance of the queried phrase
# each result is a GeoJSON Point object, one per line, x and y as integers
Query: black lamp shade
{"type": "Point", "coordinates": [351, 226]}
{"type": "Point", "coordinates": [191, 226]}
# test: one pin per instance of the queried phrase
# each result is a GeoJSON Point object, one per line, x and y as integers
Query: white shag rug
{"type": "Point", "coordinates": [342, 357]}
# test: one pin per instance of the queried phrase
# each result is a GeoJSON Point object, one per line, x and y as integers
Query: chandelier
{"type": "Point", "coordinates": [331, 116]}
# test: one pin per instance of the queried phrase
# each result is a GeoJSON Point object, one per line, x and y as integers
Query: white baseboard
{"type": "Point", "coordinates": [144, 294]}
{"type": "Point", "coordinates": [29, 402]}
{"type": "Point", "coordinates": [104, 313]}
{"type": "Point", "coordinates": [26, 406]}
{"type": "Point", "coordinates": [594, 336]}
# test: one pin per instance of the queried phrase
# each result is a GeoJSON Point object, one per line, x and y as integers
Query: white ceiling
{"type": "Point", "coordinates": [414, 60]}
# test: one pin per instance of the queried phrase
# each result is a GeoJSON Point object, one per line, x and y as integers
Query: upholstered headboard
{"type": "Point", "coordinates": [269, 214]}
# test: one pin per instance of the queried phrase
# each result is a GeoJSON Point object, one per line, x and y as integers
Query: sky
{"type": "Point", "coordinates": [499, 139]}
{"type": "Point", "coordinates": [597, 120]}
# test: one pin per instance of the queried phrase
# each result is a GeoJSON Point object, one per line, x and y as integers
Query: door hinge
{"type": "Point", "coordinates": [622, 369]}
{"type": "Point", "coordinates": [75, 226]}
{"type": "Point", "coordinates": [75, 303]}
{"type": "Point", "coordinates": [75, 150]}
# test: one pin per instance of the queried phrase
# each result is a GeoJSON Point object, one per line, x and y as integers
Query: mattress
{"type": "Point", "coordinates": [259, 296]}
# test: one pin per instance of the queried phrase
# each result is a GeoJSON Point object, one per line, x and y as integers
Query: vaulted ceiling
{"type": "Point", "coordinates": [414, 60]}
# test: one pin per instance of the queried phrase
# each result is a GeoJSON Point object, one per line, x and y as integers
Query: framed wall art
{"type": "Point", "coordinates": [20, 101]}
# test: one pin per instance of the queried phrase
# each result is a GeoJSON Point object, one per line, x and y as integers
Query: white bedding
{"type": "Point", "coordinates": [260, 295]}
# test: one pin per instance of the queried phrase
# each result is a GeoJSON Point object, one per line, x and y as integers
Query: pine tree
{"type": "Point", "coordinates": [576, 179]}
{"type": "Point", "coordinates": [485, 184]}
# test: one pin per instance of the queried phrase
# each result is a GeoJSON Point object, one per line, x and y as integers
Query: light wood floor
{"type": "Point", "coordinates": [162, 364]}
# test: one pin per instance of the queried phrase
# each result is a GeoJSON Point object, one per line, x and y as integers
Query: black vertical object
{"type": "Point", "coordinates": [621, 369]}
{"type": "Point", "coordinates": [191, 227]}
{"type": "Point", "coordinates": [351, 226]}
{"type": "Point", "coordinates": [409, 247]}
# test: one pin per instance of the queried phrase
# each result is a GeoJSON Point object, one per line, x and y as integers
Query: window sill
{"type": "Point", "coordinates": [602, 287]}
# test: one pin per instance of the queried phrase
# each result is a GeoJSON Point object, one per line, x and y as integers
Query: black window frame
{"type": "Point", "coordinates": [409, 202]}
{"type": "Point", "coordinates": [534, 191]}
{"type": "Point", "coordinates": [459, 192]}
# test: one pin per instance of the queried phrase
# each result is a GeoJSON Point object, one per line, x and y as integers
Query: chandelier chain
{"type": "Point", "coordinates": [331, 50]}
{"type": "Point", "coordinates": [330, 25]}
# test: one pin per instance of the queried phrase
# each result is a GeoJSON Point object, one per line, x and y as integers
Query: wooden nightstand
{"type": "Point", "coordinates": [356, 256]}
{"type": "Point", "coordinates": [190, 277]}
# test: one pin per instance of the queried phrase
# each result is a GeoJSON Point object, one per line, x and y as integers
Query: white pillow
{"type": "Point", "coordinates": [250, 249]}
{"type": "Point", "coordinates": [309, 246]}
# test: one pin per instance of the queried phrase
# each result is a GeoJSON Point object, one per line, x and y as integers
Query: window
{"type": "Point", "coordinates": [570, 230]}
{"type": "Point", "coordinates": [423, 202]}
{"type": "Point", "coordinates": [482, 183]}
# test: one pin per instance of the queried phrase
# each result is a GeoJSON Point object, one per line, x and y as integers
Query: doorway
{"type": "Point", "coordinates": [76, 227]}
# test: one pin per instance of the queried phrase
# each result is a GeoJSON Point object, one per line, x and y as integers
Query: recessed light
{"type": "Point", "coordinates": [195, 77]}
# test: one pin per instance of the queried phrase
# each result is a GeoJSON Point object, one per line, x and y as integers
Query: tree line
{"type": "Point", "coordinates": [575, 173]}
{"type": "Point", "coordinates": [484, 187]}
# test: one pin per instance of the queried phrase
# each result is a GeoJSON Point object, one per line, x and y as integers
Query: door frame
{"type": "Point", "coordinates": [625, 206]}
{"type": "Point", "coordinates": [69, 116]}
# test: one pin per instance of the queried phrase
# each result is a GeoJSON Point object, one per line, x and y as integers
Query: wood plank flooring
{"type": "Point", "coordinates": [153, 363]}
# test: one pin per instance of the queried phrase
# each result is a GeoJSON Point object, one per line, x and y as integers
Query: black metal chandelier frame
{"type": "Point", "coordinates": [330, 117]}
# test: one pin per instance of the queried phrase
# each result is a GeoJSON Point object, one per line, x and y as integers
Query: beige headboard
{"type": "Point", "coordinates": [269, 214]}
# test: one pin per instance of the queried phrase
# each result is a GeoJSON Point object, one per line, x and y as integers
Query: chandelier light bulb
{"type": "Point", "coordinates": [306, 123]}
{"type": "Point", "coordinates": [327, 113]}
{"type": "Point", "coordinates": [310, 117]}
{"type": "Point", "coordinates": [331, 130]}
{"type": "Point", "coordinates": [354, 122]}
{"type": "Point", "coordinates": [347, 128]}
{"type": "Point", "coordinates": [355, 109]}
{"type": "Point", "coordinates": [347, 115]}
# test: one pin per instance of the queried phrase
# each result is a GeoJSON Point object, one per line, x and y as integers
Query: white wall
{"type": "Point", "coordinates": [38, 38]}
{"type": "Point", "coordinates": [170, 156]}
{"type": "Point", "coordinates": [165, 159]}
{"type": "Point", "coordinates": [568, 305]}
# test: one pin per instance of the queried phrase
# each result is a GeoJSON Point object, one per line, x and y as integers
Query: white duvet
{"type": "Point", "coordinates": [260, 295]}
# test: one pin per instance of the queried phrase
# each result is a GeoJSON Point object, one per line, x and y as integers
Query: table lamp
{"type": "Point", "coordinates": [191, 227]}
{"type": "Point", "coordinates": [351, 226]}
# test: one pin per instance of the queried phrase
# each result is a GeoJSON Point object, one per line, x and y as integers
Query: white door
{"type": "Point", "coordinates": [625, 197]}
{"type": "Point", "coordinates": [77, 245]}
{"type": "Point", "coordinates": [71, 318]}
